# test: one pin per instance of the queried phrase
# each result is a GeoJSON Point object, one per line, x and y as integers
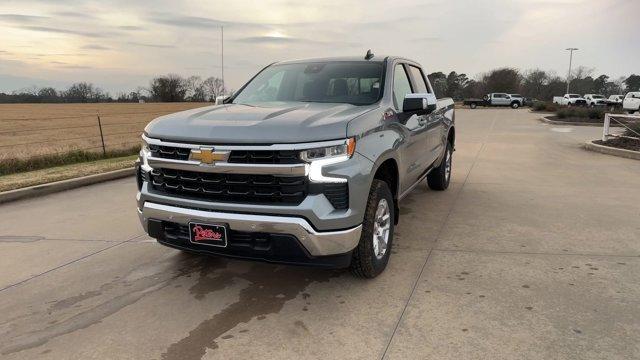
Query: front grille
{"type": "Point", "coordinates": [236, 239]}
{"type": "Point", "coordinates": [265, 157]}
{"type": "Point", "coordinates": [169, 152]}
{"type": "Point", "coordinates": [236, 156]}
{"type": "Point", "coordinates": [257, 189]}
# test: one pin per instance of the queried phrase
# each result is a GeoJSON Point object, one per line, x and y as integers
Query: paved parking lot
{"type": "Point", "coordinates": [534, 252]}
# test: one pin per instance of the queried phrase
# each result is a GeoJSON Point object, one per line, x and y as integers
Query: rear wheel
{"type": "Point", "coordinates": [473, 105]}
{"type": "Point", "coordinates": [439, 178]}
{"type": "Point", "coordinates": [371, 255]}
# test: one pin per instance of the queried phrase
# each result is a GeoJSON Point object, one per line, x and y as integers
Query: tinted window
{"type": "Point", "coordinates": [421, 85]}
{"type": "Point", "coordinates": [401, 85]}
{"type": "Point", "coordinates": [355, 83]}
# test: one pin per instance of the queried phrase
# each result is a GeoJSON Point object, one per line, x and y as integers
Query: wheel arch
{"type": "Point", "coordinates": [387, 170]}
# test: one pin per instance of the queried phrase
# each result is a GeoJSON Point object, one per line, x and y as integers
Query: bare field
{"type": "Point", "coordinates": [38, 129]}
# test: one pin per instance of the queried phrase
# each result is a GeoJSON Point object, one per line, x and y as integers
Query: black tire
{"type": "Point", "coordinates": [439, 178]}
{"type": "Point", "coordinates": [364, 262]}
{"type": "Point", "coordinates": [515, 105]}
{"type": "Point", "coordinates": [473, 105]}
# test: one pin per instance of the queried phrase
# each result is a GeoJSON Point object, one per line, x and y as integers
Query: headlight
{"type": "Point", "coordinates": [145, 152]}
{"type": "Point", "coordinates": [345, 149]}
{"type": "Point", "coordinates": [144, 147]}
{"type": "Point", "coordinates": [320, 157]}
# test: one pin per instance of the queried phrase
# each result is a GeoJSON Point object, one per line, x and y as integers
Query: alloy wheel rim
{"type": "Point", "coordinates": [381, 228]}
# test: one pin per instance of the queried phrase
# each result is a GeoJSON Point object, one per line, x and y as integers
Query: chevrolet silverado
{"type": "Point", "coordinates": [305, 164]}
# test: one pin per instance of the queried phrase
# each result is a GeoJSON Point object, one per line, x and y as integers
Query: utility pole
{"type": "Point", "coordinates": [571, 50]}
{"type": "Point", "coordinates": [222, 55]}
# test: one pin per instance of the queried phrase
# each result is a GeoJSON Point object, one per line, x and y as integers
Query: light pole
{"type": "Point", "coordinates": [222, 56]}
{"type": "Point", "coordinates": [570, 59]}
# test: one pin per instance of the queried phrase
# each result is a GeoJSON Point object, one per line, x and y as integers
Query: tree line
{"type": "Point", "coordinates": [166, 88]}
{"type": "Point", "coordinates": [538, 84]}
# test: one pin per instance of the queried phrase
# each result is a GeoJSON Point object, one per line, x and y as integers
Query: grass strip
{"type": "Point", "coordinates": [17, 165]}
{"type": "Point", "coordinates": [64, 172]}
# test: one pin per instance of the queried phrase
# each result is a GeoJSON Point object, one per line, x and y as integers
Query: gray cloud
{"type": "Point", "coordinates": [275, 40]}
{"type": "Point", "coordinates": [74, 14]}
{"type": "Point", "coordinates": [20, 18]}
{"type": "Point", "coordinates": [66, 31]}
{"type": "Point", "coordinates": [197, 22]}
{"type": "Point", "coordinates": [76, 67]}
{"type": "Point", "coordinates": [159, 46]}
{"type": "Point", "coordinates": [130, 27]}
{"type": "Point", "coordinates": [95, 47]}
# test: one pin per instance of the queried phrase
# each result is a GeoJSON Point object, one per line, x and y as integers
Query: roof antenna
{"type": "Point", "coordinates": [369, 55]}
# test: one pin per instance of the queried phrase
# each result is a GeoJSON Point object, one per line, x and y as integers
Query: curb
{"type": "Point", "coordinates": [629, 154]}
{"type": "Point", "coordinates": [57, 186]}
{"type": "Point", "coordinates": [555, 122]}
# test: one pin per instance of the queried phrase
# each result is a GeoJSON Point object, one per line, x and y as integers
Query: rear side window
{"type": "Point", "coordinates": [401, 85]}
{"type": "Point", "coordinates": [418, 79]}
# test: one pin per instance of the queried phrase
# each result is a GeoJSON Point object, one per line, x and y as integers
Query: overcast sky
{"type": "Point", "coordinates": [121, 44]}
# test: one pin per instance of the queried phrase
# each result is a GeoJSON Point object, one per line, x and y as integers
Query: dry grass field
{"type": "Point", "coordinates": [40, 129]}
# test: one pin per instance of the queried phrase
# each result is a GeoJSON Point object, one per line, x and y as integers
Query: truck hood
{"type": "Point", "coordinates": [269, 123]}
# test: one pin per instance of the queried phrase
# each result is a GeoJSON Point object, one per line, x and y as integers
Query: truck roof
{"type": "Point", "coordinates": [376, 58]}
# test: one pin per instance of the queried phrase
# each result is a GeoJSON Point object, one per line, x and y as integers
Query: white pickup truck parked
{"type": "Point", "coordinates": [594, 100]}
{"type": "Point", "coordinates": [570, 100]}
{"type": "Point", "coordinates": [631, 102]}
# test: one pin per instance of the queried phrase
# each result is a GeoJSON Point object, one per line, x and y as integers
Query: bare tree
{"type": "Point", "coordinates": [213, 88]}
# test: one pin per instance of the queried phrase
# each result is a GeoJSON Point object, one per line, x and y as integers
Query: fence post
{"type": "Point", "coordinates": [104, 149]}
{"type": "Point", "coordinates": [605, 129]}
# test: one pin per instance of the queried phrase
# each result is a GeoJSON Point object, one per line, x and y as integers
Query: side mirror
{"type": "Point", "coordinates": [220, 99]}
{"type": "Point", "coordinates": [423, 103]}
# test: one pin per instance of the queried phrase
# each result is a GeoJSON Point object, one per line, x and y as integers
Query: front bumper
{"type": "Point", "coordinates": [316, 243]}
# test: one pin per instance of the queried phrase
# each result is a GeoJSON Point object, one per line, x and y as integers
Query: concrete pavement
{"type": "Point", "coordinates": [533, 253]}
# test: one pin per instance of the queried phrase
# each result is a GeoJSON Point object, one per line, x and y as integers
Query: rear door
{"type": "Point", "coordinates": [500, 99]}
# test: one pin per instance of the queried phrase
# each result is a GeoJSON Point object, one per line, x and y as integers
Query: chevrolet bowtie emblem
{"type": "Point", "coordinates": [207, 155]}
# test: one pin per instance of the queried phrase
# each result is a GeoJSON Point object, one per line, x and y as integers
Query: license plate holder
{"type": "Point", "coordinates": [208, 234]}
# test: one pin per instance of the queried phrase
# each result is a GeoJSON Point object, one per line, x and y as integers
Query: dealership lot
{"type": "Point", "coordinates": [533, 252]}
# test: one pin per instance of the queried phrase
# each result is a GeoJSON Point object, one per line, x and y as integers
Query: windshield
{"type": "Point", "coordinates": [357, 83]}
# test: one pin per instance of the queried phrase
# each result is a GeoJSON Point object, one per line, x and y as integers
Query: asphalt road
{"type": "Point", "coordinates": [534, 252]}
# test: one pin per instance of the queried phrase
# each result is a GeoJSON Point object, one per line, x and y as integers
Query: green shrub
{"type": "Point", "coordinates": [544, 106]}
{"type": "Point", "coordinates": [566, 113]}
{"type": "Point", "coordinates": [577, 112]}
{"type": "Point", "coordinates": [595, 114]}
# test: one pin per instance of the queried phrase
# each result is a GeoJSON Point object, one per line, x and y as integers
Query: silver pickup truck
{"type": "Point", "coordinates": [304, 165]}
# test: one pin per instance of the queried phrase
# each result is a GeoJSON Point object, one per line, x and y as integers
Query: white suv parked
{"type": "Point", "coordinates": [631, 102]}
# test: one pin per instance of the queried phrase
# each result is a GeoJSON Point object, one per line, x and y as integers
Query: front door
{"type": "Point", "coordinates": [415, 128]}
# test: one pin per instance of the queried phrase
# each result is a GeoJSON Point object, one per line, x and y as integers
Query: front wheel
{"type": "Point", "coordinates": [439, 178]}
{"type": "Point", "coordinates": [515, 105]}
{"type": "Point", "coordinates": [371, 255]}
{"type": "Point", "coordinates": [473, 105]}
